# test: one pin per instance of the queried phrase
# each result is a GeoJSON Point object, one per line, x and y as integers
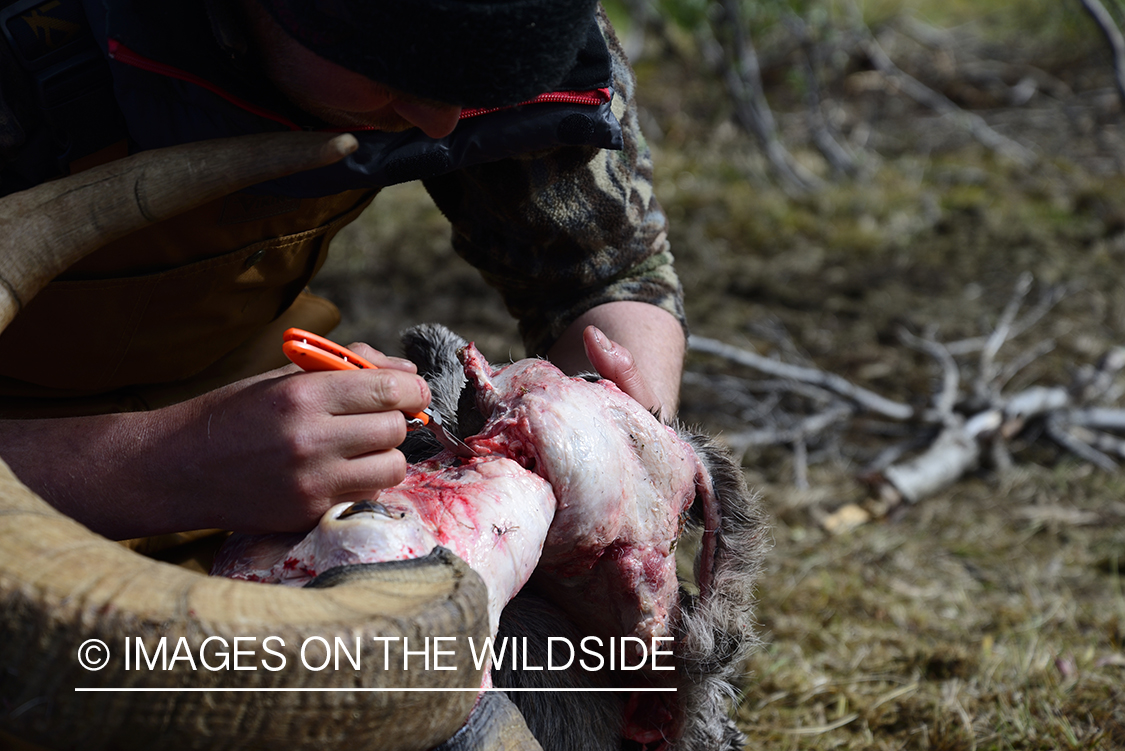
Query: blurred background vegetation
{"type": "Point", "coordinates": [974, 141]}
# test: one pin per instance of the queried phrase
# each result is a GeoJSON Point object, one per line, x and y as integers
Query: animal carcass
{"type": "Point", "coordinates": [576, 503]}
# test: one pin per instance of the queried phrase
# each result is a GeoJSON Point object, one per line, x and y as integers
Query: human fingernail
{"type": "Point", "coordinates": [601, 340]}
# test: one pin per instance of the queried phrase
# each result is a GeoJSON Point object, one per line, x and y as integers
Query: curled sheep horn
{"type": "Point", "coordinates": [62, 585]}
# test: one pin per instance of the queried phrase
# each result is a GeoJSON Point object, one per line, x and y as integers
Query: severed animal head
{"type": "Point", "coordinates": [537, 417]}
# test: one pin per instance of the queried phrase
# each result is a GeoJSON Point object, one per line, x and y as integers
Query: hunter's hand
{"type": "Point", "coordinates": [275, 453]}
{"type": "Point", "coordinates": [267, 454]}
{"type": "Point", "coordinates": [639, 347]}
{"type": "Point", "coordinates": [615, 363]}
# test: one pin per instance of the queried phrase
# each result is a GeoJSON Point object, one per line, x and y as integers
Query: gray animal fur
{"type": "Point", "coordinates": [563, 720]}
{"type": "Point", "coordinates": [714, 633]}
{"type": "Point", "coordinates": [717, 633]}
{"type": "Point", "coordinates": [433, 348]}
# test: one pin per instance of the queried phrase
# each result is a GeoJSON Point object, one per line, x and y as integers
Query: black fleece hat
{"type": "Point", "coordinates": [476, 53]}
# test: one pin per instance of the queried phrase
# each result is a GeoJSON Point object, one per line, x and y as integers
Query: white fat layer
{"type": "Point", "coordinates": [576, 482]}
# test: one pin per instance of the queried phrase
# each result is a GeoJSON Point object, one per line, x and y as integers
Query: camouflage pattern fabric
{"type": "Point", "coordinates": [560, 232]}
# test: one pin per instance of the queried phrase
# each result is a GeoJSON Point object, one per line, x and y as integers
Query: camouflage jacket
{"type": "Point", "coordinates": [562, 231]}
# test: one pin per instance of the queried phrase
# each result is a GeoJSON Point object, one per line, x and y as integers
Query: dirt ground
{"type": "Point", "coordinates": [991, 616]}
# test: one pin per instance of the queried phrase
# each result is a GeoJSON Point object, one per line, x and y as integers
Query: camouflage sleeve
{"type": "Point", "coordinates": [562, 231]}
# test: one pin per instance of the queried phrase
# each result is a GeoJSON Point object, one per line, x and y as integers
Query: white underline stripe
{"type": "Point", "coordinates": [368, 690]}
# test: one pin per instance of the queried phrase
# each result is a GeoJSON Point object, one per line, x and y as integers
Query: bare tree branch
{"type": "Point", "coordinates": [951, 375]}
{"type": "Point", "coordinates": [955, 452]}
{"type": "Point", "coordinates": [1096, 383]}
{"type": "Point", "coordinates": [1099, 440]}
{"type": "Point", "coordinates": [1036, 401]}
{"type": "Point", "coordinates": [811, 426]}
{"type": "Point", "coordinates": [1113, 37]}
{"type": "Point", "coordinates": [837, 155]}
{"type": "Point", "coordinates": [1000, 334]}
{"type": "Point", "coordinates": [801, 464]}
{"type": "Point", "coordinates": [1033, 316]}
{"type": "Point", "coordinates": [938, 102]}
{"type": "Point", "coordinates": [742, 74]}
{"type": "Point", "coordinates": [1009, 371]}
{"type": "Point", "coordinates": [867, 400]}
{"type": "Point", "coordinates": [1097, 418]}
{"type": "Point", "coordinates": [1058, 432]}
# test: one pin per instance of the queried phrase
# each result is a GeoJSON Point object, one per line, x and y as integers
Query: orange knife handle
{"type": "Point", "coordinates": [304, 347]}
{"type": "Point", "coordinates": [313, 359]}
{"type": "Point", "coordinates": [315, 353]}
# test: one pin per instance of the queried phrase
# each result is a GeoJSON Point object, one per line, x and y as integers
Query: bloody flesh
{"type": "Point", "coordinates": [576, 483]}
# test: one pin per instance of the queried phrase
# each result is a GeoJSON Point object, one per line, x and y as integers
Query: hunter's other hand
{"type": "Point", "coordinates": [615, 363]}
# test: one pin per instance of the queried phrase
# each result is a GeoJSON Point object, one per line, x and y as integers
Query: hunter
{"type": "Point", "coordinates": [152, 368]}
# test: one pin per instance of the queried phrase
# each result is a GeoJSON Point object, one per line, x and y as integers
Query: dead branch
{"type": "Point", "coordinates": [941, 104]}
{"type": "Point", "coordinates": [951, 380]}
{"type": "Point", "coordinates": [1001, 456]}
{"type": "Point", "coordinates": [645, 20]}
{"type": "Point", "coordinates": [742, 74]}
{"type": "Point", "coordinates": [1105, 442]}
{"type": "Point", "coordinates": [1096, 383]}
{"type": "Point", "coordinates": [811, 426]}
{"type": "Point", "coordinates": [839, 156]}
{"type": "Point", "coordinates": [1097, 418]}
{"type": "Point", "coordinates": [1042, 308]}
{"type": "Point", "coordinates": [955, 452]}
{"type": "Point", "coordinates": [801, 464]}
{"type": "Point", "coordinates": [1035, 402]}
{"type": "Point", "coordinates": [972, 429]}
{"type": "Point", "coordinates": [889, 456]}
{"type": "Point", "coordinates": [924, 95]}
{"type": "Point", "coordinates": [1021, 361]}
{"type": "Point", "coordinates": [736, 395]}
{"type": "Point", "coordinates": [1028, 405]}
{"type": "Point", "coordinates": [734, 389]}
{"type": "Point", "coordinates": [1030, 79]}
{"type": "Point", "coordinates": [1065, 436]}
{"type": "Point", "coordinates": [988, 371]}
{"type": "Point", "coordinates": [867, 400]}
{"type": "Point", "coordinates": [1113, 37]}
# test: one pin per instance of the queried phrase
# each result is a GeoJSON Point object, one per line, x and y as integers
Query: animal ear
{"type": "Point", "coordinates": [433, 348]}
{"type": "Point", "coordinates": [728, 510]}
{"type": "Point", "coordinates": [718, 630]}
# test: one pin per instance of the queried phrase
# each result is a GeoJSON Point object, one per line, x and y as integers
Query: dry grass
{"type": "Point", "coordinates": [981, 619]}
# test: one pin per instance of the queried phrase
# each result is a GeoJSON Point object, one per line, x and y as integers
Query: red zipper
{"type": "Point", "coordinates": [593, 97]}
{"type": "Point", "coordinates": [123, 54]}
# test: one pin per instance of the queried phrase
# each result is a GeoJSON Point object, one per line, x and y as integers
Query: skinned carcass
{"type": "Point", "coordinates": [440, 502]}
{"type": "Point", "coordinates": [571, 514]}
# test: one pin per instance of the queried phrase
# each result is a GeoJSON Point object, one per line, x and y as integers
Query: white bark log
{"type": "Point", "coordinates": [955, 452]}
